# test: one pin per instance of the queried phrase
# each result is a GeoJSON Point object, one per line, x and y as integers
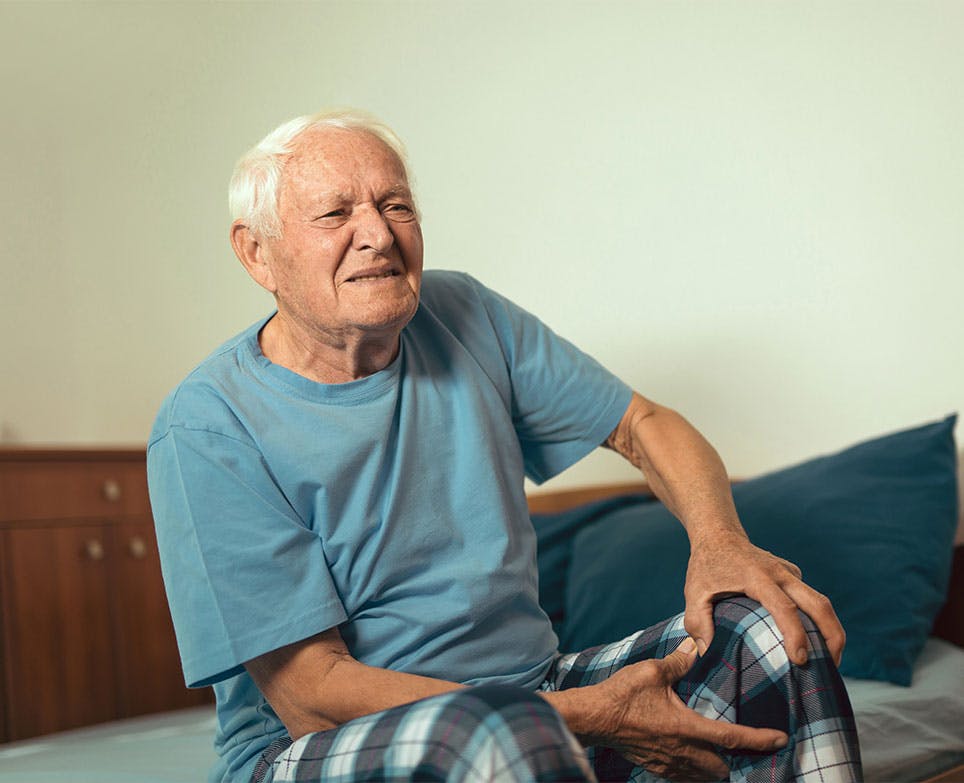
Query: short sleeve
{"type": "Point", "coordinates": [564, 403]}
{"type": "Point", "coordinates": [243, 573]}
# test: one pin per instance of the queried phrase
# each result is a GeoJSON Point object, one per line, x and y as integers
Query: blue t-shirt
{"type": "Point", "coordinates": [392, 506]}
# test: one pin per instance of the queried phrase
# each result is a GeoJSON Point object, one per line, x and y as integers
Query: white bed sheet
{"type": "Point", "coordinates": [906, 734]}
{"type": "Point", "coordinates": [909, 734]}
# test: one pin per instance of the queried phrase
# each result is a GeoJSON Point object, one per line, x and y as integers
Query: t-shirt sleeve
{"type": "Point", "coordinates": [243, 573]}
{"type": "Point", "coordinates": [564, 402]}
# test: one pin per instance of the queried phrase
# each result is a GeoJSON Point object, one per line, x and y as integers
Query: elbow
{"type": "Point", "coordinates": [314, 703]}
{"type": "Point", "coordinates": [625, 439]}
{"type": "Point", "coordinates": [302, 686]}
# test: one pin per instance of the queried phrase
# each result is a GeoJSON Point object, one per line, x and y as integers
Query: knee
{"type": "Point", "coordinates": [502, 708]}
{"type": "Point", "coordinates": [745, 610]}
{"type": "Point", "coordinates": [745, 621]}
{"type": "Point", "coordinates": [514, 730]}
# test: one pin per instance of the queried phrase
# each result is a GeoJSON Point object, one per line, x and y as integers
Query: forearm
{"type": "Point", "coordinates": [681, 466]}
{"type": "Point", "coordinates": [585, 714]}
{"type": "Point", "coordinates": [686, 473]}
{"type": "Point", "coordinates": [315, 685]}
{"type": "Point", "coordinates": [353, 689]}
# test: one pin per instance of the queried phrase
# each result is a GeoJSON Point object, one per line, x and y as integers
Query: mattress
{"type": "Point", "coordinates": [910, 734]}
{"type": "Point", "coordinates": [172, 747]}
{"type": "Point", "coordinates": [906, 734]}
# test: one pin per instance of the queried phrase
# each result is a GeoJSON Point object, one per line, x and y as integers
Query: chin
{"type": "Point", "coordinates": [392, 318]}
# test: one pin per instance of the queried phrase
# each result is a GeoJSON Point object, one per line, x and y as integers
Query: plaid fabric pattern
{"type": "Point", "coordinates": [482, 734]}
{"type": "Point", "coordinates": [745, 677]}
{"type": "Point", "coordinates": [500, 733]}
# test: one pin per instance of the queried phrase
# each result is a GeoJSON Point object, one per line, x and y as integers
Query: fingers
{"type": "Point", "coordinates": [700, 762]}
{"type": "Point", "coordinates": [691, 761]}
{"type": "Point", "coordinates": [793, 568]}
{"type": "Point", "coordinates": [698, 622]}
{"type": "Point", "coordinates": [776, 584]}
{"type": "Point", "coordinates": [784, 611]}
{"type": "Point", "coordinates": [785, 604]}
{"type": "Point", "coordinates": [819, 609]}
{"type": "Point", "coordinates": [731, 736]}
{"type": "Point", "coordinates": [678, 662]}
{"type": "Point", "coordinates": [669, 738]}
{"type": "Point", "coordinates": [710, 764]}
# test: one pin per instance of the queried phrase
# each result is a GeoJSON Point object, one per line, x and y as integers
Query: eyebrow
{"type": "Point", "coordinates": [398, 190]}
{"type": "Point", "coordinates": [325, 196]}
{"type": "Point", "coordinates": [341, 197]}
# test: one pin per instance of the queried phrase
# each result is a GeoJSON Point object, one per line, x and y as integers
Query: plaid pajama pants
{"type": "Point", "coordinates": [503, 733]}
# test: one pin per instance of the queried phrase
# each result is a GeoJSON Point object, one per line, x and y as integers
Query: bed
{"type": "Point", "coordinates": [899, 492]}
{"type": "Point", "coordinates": [903, 738]}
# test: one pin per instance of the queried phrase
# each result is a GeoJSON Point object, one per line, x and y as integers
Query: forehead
{"type": "Point", "coordinates": [341, 161]}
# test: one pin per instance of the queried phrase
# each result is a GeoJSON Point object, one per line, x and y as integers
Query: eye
{"type": "Point", "coordinates": [398, 212]}
{"type": "Point", "coordinates": [333, 219]}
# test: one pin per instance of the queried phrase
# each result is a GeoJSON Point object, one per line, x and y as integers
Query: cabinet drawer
{"type": "Point", "coordinates": [61, 490]}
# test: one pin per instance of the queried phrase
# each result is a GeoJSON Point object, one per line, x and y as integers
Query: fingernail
{"type": "Point", "coordinates": [780, 742]}
{"type": "Point", "coordinates": [701, 645]}
{"type": "Point", "coordinates": [801, 657]}
{"type": "Point", "coordinates": [688, 646]}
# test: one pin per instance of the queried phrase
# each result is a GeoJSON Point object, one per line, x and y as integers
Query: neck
{"type": "Point", "coordinates": [326, 358]}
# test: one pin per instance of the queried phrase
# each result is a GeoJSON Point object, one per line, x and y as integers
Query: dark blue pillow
{"type": "Point", "coordinates": [556, 533]}
{"type": "Point", "coordinates": [872, 527]}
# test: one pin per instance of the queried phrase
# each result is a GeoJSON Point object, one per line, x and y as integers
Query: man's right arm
{"type": "Point", "coordinates": [315, 685]}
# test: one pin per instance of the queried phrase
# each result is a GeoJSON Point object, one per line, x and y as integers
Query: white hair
{"type": "Point", "coordinates": [253, 191]}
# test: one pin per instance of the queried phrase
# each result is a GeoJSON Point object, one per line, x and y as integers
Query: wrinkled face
{"type": "Point", "coordinates": [349, 260]}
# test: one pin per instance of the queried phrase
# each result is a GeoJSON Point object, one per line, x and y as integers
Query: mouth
{"type": "Point", "coordinates": [369, 275]}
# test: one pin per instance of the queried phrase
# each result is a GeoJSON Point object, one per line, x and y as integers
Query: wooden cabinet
{"type": "Point", "coordinates": [85, 633]}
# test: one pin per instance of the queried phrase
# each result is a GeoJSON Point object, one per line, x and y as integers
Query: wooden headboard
{"type": "Point", "coordinates": [949, 624]}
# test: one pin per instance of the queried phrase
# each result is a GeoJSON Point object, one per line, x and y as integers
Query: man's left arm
{"type": "Point", "coordinates": [688, 476]}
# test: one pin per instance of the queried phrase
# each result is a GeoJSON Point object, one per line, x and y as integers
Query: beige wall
{"type": "Point", "coordinates": [751, 211]}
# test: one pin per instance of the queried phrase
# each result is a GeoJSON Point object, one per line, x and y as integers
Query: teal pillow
{"type": "Point", "coordinates": [872, 527]}
{"type": "Point", "coordinates": [556, 533]}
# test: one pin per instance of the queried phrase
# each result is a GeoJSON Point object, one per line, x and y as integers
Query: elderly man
{"type": "Point", "coordinates": [338, 494]}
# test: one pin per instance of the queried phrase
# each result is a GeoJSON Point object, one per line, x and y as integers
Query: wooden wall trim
{"type": "Point", "coordinates": [564, 499]}
{"type": "Point", "coordinates": [66, 453]}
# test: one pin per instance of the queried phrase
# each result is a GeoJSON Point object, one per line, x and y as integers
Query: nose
{"type": "Point", "coordinates": [371, 230]}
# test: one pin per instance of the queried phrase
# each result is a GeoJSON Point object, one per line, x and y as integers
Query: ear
{"type": "Point", "coordinates": [253, 255]}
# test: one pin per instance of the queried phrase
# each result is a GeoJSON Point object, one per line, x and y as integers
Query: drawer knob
{"type": "Point", "coordinates": [112, 490]}
{"type": "Point", "coordinates": [94, 550]}
{"type": "Point", "coordinates": [137, 547]}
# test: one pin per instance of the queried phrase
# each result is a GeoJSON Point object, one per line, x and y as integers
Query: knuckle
{"type": "Point", "coordinates": [783, 604]}
{"type": "Point", "coordinates": [691, 624]}
{"type": "Point", "coordinates": [669, 671]}
{"type": "Point", "coordinates": [727, 738]}
{"type": "Point", "coordinates": [655, 671]}
{"type": "Point", "coordinates": [837, 640]}
{"type": "Point", "coordinates": [789, 564]}
{"type": "Point", "coordinates": [822, 602]}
